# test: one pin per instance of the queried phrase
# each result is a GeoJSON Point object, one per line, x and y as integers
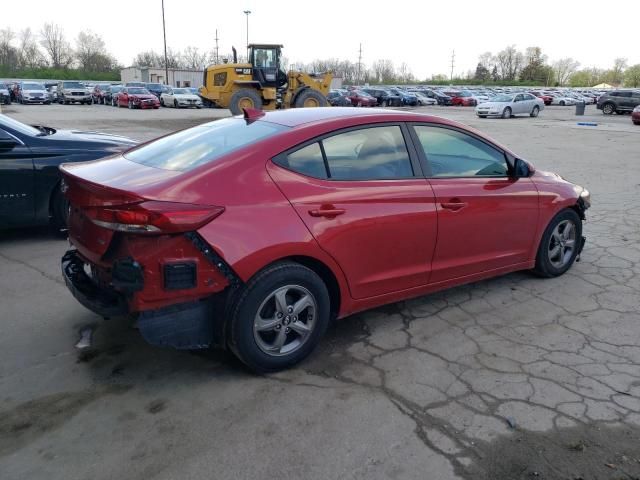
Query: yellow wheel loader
{"type": "Point", "coordinates": [262, 84]}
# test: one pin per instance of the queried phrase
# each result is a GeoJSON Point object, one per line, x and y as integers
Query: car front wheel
{"type": "Point", "coordinates": [535, 111]}
{"type": "Point", "coordinates": [278, 318]}
{"type": "Point", "coordinates": [560, 244]}
{"type": "Point", "coordinates": [608, 108]}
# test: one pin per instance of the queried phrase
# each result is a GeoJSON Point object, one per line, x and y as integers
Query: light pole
{"type": "Point", "coordinates": [164, 32]}
{"type": "Point", "coordinates": [247, 12]}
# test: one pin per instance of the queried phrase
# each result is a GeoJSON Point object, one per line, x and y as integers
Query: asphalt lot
{"type": "Point", "coordinates": [515, 377]}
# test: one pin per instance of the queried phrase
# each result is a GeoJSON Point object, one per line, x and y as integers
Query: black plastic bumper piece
{"type": "Point", "coordinates": [186, 326]}
{"type": "Point", "coordinates": [103, 301]}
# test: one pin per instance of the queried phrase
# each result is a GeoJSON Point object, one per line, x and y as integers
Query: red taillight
{"type": "Point", "coordinates": [154, 217]}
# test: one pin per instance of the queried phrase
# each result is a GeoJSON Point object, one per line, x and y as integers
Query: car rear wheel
{"type": "Point", "coordinates": [608, 108]}
{"type": "Point", "coordinates": [535, 111]}
{"type": "Point", "coordinates": [562, 103]}
{"type": "Point", "coordinates": [560, 244]}
{"type": "Point", "coordinates": [175, 103]}
{"type": "Point", "coordinates": [278, 318]}
{"type": "Point", "coordinates": [506, 113]}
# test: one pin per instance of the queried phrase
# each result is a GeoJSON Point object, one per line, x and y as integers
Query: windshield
{"type": "Point", "coordinates": [17, 126]}
{"type": "Point", "coordinates": [502, 98]}
{"type": "Point", "coordinates": [72, 85]}
{"type": "Point", "coordinates": [138, 91]}
{"type": "Point", "coordinates": [199, 145]}
{"type": "Point", "coordinates": [32, 86]}
{"type": "Point", "coordinates": [181, 91]}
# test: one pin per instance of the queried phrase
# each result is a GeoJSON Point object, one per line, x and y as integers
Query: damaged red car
{"type": "Point", "coordinates": [253, 233]}
{"type": "Point", "coordinates": [137, 97]}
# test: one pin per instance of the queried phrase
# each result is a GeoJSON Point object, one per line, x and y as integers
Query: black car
{"type": "Point", "coordinates": [29, 177]}
{"type": "Point", "coordinates": [385, 98]}
{"type": "Point", "coordinates": [440, 97]}
{"type": "Point", "coordinates": [618, 101]}
{"type": "Point", "coordinates": [110, 95]}
{"type": "Point", "coordinates": [337, 98]}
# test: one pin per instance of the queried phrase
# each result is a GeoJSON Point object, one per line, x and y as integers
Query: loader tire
{"type": "Point", "coordinates": [310, 98]}
{"type": "Point", "coordinates": [245, 98]}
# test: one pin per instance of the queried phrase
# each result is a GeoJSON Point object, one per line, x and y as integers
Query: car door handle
{"type": "Point", "coordinates": [328, 212]}
{"type": "Point", "coordinates": [453, 206]}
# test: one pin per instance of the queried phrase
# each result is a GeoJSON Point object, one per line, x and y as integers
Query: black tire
{"type": "Point", "coordinates": [562, 103]}
{"type": "Point", "coordinates": [506, 113]}
{"type": "Point", "coordinates": [310, 98]}
{"type": "Point", "coordinates": [244, 306]}
{"type": "Point", "coordinates": [384, 103]}
{"type": "Point", "coordinates": [175, 103]}
{"type": "Point", "coordinates": [162, 102]}
{"type": "Point", "coordinates": [544, 266]}
{"type": "Point", "coordinates": [609, 108]}
{"type": "Point", "coordinates": [535, 111]}
{"type": "Point", "coordinates": [59, 209]}
{"type": "Point", "coordinates": [245, 98]}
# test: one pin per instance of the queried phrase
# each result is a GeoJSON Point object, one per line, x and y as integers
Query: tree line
{"type": "Point", "coordinates": [534, 68]}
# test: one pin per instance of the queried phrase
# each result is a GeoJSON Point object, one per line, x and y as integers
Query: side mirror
{"type": "Point", "coordinates": [521, 169]}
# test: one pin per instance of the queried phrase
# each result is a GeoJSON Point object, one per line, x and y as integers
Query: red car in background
{"type": "Point", "coordinates": [547, 99]}
{"type": "Point", "coordinates": [252, 233]}
{"type": "Point", "coordinates": [361, 99]}
{"type": "Point", "coordinates": [97, 93]}
{"type": "Point", "coordinates": [461, 98]}
{"type": "Point", "coordinates": [137, 97]}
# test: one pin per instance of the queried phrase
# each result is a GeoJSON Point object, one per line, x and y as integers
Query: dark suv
{"type": "Point", "coordinates": [619, 101]}
{"type": "Point", "coordinates": [384, 97]}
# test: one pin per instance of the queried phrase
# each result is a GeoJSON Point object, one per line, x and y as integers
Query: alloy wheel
{"type": "Point", "coordinates": [285, 320]}
{"type": "Point", "coordinates": [562, 244]}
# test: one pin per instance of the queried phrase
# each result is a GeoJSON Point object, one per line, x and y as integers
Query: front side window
{"type": "Point", "coordinates": [451, 153]}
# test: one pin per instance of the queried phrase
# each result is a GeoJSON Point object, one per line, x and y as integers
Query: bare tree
{"type": "Point", "coordinates": [192, 58]}
{"type": "Point", "coordinates": [563, 68]}
{"type": "Point", "coordinates": [383, 71]}
{"type": "Point", "coordinates": [92, 54]}
{"type": "Point", "coordinates": [404, 73]}
{"type": "Point", "coordinates": [56, 46]}
{"type": "Point", "coordinates": [28, 52]}
{"type": "Point", "coordinates": [617, 72]}
{"type": "Point", "coordinates": [509, 62]}
{"type": "Point", "coordinates": [8, 53]}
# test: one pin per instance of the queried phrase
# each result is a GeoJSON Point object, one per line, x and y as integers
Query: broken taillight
{"type": "Point", "coordinates": [153, 217]}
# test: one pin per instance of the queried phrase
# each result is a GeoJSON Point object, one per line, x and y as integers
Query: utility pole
{"type": "Point", "coordinates": [247, 12]}
{"type": "Point", "coordinates": [217, 58]}
{"type": "Point", "coordinates": [453, 58]}
{"type": "Point", "coordinates": [164, 32]}
{"type": "Point", "coordinates": [359, 63]}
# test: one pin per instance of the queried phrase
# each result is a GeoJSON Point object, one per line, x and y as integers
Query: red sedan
{"type": "Point", "coordinates": [547, 99]}
{"type": "Point", "coordinates": [137, 97]}
{"type": "Point", "coordinates": [252, 233]}
{"type": "Point", "coordinates": [361, 99]}
{"type": "Point", "coordinates": [462, 99]}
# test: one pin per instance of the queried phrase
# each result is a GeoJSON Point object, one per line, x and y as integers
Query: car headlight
{"type": "Point", "coordinates": [585, 196]}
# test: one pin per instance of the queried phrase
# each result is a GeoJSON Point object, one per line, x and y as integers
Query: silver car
{"type": "Point", "coordinates": [510, 104]}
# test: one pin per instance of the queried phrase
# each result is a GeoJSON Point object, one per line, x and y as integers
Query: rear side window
{"type": "Point", "coordinates": [374, 153]}
{"type": "Point", "coordinates": [455, 154]}
{"type": "Point", "coordinates": [206, 143]}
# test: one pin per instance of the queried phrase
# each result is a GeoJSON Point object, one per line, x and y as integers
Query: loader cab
{"type": "Point", "coordinates": [265, 65]}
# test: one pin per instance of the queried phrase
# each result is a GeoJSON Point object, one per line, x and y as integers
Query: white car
{"type": "Point", "coordinates": [180, 97]}
{"type": "Point", "coordinates": [560, 99]}
{"type": "Point", "coordinates": [424, 100]}
{"type": "Point", "coordinates": [509, 105]}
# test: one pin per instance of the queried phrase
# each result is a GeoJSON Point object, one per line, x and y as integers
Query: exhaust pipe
{"type": "Point", "coordinates": [235, 55]}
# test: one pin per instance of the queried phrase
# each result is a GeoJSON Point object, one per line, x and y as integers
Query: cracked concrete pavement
{"type": "Point", "coordinates": [512, 377]}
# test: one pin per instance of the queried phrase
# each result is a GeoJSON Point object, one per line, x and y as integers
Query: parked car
{"type": "Point", "coordinates": [618, 101]}
{"type": "Point", "coordinates": [635, 115]}
{"type": "Point", "coordinates": [509, 105]}
{"type": "Point", "coordinates": [191, 235]}
{"type": "Point", "coordinates": [33, 92]}
{"type": "Point", "coordinates": [338, 98]}
{"type": "Point", "coordinates": [440, 97]}
{"type": "Point", "coordinates": [545, 98]}
{"type": "Point", "coordinates": [5, 94]}
{"type": "Point", "coordinates": [111, 95]}
{"type": "Point", "coordinates": [424, 100]}
{"type": "Point", "coordinates": [385, 98]}
{"type": "Point", "coordinates": [408, 98]}
{"type": "Point", "coordinates": [561, 99]}
{"type": "Point", "coordinates": [461, 98]}
{"type": "Point", "coordinates": [71, 91]}
{"type": "Point", "coordinates": [98, 93]}
{"type": "Point", "coordinates": [137, 97]}
{"type": "Point", "coordinates": [360, 98]}
{"type": "Point", "coordinates": [29, 183]}
{"type": "Point", "coordinates": [180, 97]}
{"type": "Point", "coordinates": [156, 88]}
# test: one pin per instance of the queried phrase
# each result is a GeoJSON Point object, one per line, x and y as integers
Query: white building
{"type": "Point", "coordinates": [178, 77]}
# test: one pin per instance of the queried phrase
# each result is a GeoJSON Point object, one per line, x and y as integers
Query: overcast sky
{"type": "Point", "coordinates": [421, 33]}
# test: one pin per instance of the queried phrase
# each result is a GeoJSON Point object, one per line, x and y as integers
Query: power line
{"type": "Point", "coordinates": [217, 57]}
{"type": "Point", "coordinates": [359, 63]}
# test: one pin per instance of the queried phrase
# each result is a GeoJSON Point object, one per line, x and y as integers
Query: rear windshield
{"type": "Point", "coordinates": [196, 146]}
